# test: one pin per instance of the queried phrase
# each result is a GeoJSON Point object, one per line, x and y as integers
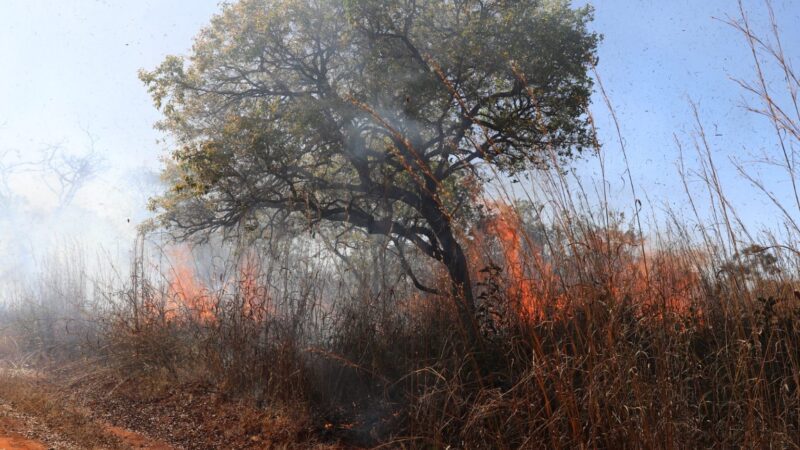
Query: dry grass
{"type": "Point", "coordinates": [594, 334]}
{"type": "Point", "coordinates": [58, 412]}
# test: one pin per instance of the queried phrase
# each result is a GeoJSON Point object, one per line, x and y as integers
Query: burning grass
{"type": "Point", "coordinates": [601, 345]}
{"type": "Point", "coordinates": [591, 332]}
{"type": "Point", "coordinates": [589, 336]}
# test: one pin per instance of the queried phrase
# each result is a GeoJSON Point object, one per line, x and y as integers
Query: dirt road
{"type": "Point", "coordinates": [19, 443]}
{"type": "Point", "coordinates": [22, 432]}
{"type": "Point", "coordinates": [12, 429]}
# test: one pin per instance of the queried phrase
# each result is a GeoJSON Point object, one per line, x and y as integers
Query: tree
{"type": "Point", "coordinates": [384, 115]}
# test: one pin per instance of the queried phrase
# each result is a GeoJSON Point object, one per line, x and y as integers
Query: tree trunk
{"type": "Point", "coordinates": [458, 270]}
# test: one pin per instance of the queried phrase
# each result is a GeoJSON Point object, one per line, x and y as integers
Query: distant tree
{"type": "Point", "coordinates": [383, 115]}
{"type": "Point", "coordinates": [67, 173]}
{"type": "Point", "coordinates": [64, 173]}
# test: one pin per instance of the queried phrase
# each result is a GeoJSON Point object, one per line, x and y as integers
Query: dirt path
{"type": "Point", "coordinates": [19, 431]}
{"type": "Point", "coordinates": [11, 432]}
{"type": "Point", "coordinates": [19, 443]}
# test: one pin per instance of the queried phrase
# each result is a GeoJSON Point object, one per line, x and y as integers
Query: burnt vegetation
{"type": "Point", "coordinates": [340, 250]}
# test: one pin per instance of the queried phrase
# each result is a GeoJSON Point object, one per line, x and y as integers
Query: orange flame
{"type": "Point", "coordinates": [529, 279]}
{"type": "Point", "coordinates": [190, 298]}
{"type": "Point", "coordinates": [610, 257]}
{"type": "Point", "coordinates": [186, 293]}
{"type": "Point", "coordinates": [506, 226]}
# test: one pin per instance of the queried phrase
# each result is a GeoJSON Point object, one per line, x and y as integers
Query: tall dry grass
{"type": "Point", "coordinates": [597, 331]}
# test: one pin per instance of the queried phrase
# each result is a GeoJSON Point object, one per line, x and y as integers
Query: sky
{"type": "Point", "coordinates": [68, 81]}
{"type": "Point", "coordinates": [659, 56]}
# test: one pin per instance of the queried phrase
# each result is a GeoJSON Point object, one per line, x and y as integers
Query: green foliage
{"type": "Point", "coordinates": [387, 116]}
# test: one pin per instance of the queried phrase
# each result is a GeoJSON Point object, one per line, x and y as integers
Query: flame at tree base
{"type": "Point", "coordinates": [594, 265]}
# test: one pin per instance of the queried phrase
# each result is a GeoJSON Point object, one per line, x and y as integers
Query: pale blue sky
{"type": "Point", "coordinates": [68, 70]}
{"type": "Point", "coordinates": [656, 56]}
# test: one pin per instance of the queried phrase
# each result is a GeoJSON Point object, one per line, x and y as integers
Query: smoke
{"type": "Point", "coordinates": [66, 195]}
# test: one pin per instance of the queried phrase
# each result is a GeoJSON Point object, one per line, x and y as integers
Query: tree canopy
{"type": "Point", "coordinates": [384, 115]}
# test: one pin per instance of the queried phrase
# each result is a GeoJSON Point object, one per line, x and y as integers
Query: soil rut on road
{"type": "Point", "coordinates": [16, 430]}
{"type": "Point", "coordinates": [11, 439]}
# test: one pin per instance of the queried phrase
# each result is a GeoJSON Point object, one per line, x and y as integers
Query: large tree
{"type": "Point", "coordinates": [384, 115]}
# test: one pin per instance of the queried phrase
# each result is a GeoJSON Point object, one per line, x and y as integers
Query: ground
{"type": "Point", "coordinates": [14, 429]}
{"type": "Point", "coordinates": [21, 431]}
{"type": "Point", "coordinates": [47, 410]}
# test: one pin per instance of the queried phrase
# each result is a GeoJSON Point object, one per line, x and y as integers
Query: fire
{"type": "Point", "coordinates": [529, 280]}
{"type": "Point", "coordinates": [674, 281]}
{"type": "Point", "coordinates": [506, 227]}
{"type": "Point", "coordinates": [188, 297]}
{"type": "Point", "coordinates": [611, 260]}
{"type": "Point", "coordinates": [186, 293]}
